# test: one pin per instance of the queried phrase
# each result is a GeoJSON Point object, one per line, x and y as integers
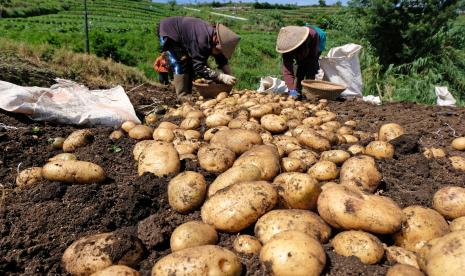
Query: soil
{"type": "Point", "coordinates": [38, 223]}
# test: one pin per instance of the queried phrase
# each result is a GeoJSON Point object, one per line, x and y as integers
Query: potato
{"type": "Point", "coordinates": [380, 150]}
{"type": "Point", "coordinates": [360, 171]}
{"type": "Point", "coordinates": [336, 156]}
{"type": "Point", "coordinates": [326, 115]}
{"type": "Point", "coordinates": [313, 140]}
{"type": "Point", "coordinates": [191, 234]}
{"type": "Point", "coordinates": [293, 123]}
{"type": "Point", "coordinates": [444, 255]}
{"type": "Point", "coordinates": [356, 149]}
{"type": "Point", "coordinates": [159, 158]}
{"type": "Point", "coordinates": [297, 190]}
{"type": "Point", "coordinates": [28, 177]}
{"type": "Point", "coordinates": [73, 171]}
{"type": "Point", "coordinates": [324, 171]}
{"type": "Point", "coordinates": [191, 134]}
{"type": "Point", "coordinates": [222, 96]}
{"type": "Point", "coordinates": [264, 157]}
{"type": "Point", "coordinates": [139, 147]}
{"type": "Point", "coordinates": [349, 208]}
{"type": "Point", "coordinates": [116, 135]}
{"type": "Point", "coordinates": [458, 143]}
{"type": "Point", "coordinates": [128, 125]}
{"type": "Point", "coordinates": [190, 123]}
{"type": "Point", "coordinates": [388, 132]}
{"type": "Point", "coordinates": [209, 104]}
{"type": "Point", "coordinates": [63, 157]}
{"type": "Point", "coordinates": [199, 260]}
{"type": "Point", "coordinates": [236, 174]}
{"type": "Point", "coordinates": [57, 142]}
{"type": "Point", "coordinates": [292, 165]}
{"type": "Point", "coordinates": [208, 135]}
{"type": "Point", "coordinates": [238, 206]}
{"type": "Point", "coordinates": [457, 224]}
{"type": "Point", "coordinates": [216, 158]}
{"type": "Point", "coordinates": [350, 139]}
{"type": "Point", "coordinates": [312, 121]}
{"type": "Point", "coordinates": [237, 140]}
{"type": "Point", "coordinates": [141, 132]}
{"type": "Point", "coordinates": [77, 139]}
{"type": "Point", "coordinates": [186, 191]}
{"type": "Point", "coordinates": [117, 270]}
{"type": "Point", "coordinates": [277, 221]}
{"type": "Point", "coordinates": [351, 123]}
{"type": "Point", "coordinates": [345, 130]}
{"type": "Point", "coordinates": [421, 225]}
{"type": "Point", "coordinates": [247, 244]}
{"type": "Point", "coordinates": [362, 245]}
{"type": "Point", "coordinates": [434, 153]}
{"type": "Point", "coordinates": [259, 111]}
{"type": "Point", "coordinates": [400, 255]}
{"type": "Point", "coordinates": [308, 157]}
{"type": "Point", "coordinates": [328, 135]}
{"type": "Point", "coordinates": [274, 123]}
{"type": "Point", "coordinates": [163, 134]}
{"type": "Point", "coordinates": [236, 123]}
{"type": "Point", "coordinates": [97, 252]}
{"type": "Point", "coordinates": [331, 126]}
{"type": "Point", "coordinates": [217, 119]}
{"type": "Point", "coordinates": [168, 125]}
{"type": "Point", "coordinates": [450, 202]}
{"type": "Point", "coordinates": [194, 114]}
{"type": "Point", "coordinates": [457, 162]}
{"type": "Point", "coordinates": [403, 270]}
{"type": "Point", "coordinates": [293, 253]}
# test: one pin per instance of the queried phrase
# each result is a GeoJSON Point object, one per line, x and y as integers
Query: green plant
{"type": "Point", "coordinates": [115, 149]}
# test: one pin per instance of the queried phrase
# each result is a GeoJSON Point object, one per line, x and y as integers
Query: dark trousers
{"type": "Point", "coordinates": [164, 78]}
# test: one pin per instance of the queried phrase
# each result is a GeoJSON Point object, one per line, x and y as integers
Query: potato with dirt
{"type": "Point", "coordinates": [199, 260]}
{"type": "Point", "coordinates": [450, 202]}
{"type": "Point", "coordinates": [403, 270]}
{"type": "Point", "coordinates": [264, 157]}
{"type": "Point", "coordinates": [458, 162]}
{"type": "Point", "coordinates": [458, 143]}
{"type": "Point", "coordinates": [348, 208]}
{"type": "Point", "coordinates": [93, 253]}
{"type": "Point", "coordinates": [117, 270]}
{"type": "Point", "coordinates": [293, 253]}
{"type": "Point", "coordinates": [217, 119]}
{"type": "Point", "coordinates": [216, 158]}
{"type": "Point", "coordinates": [127, 126]}
{"type": "Point", "coordinates": [159, 158]}
{"type": "Point", "coordinates": [310, 138]}
{"type": "Point", "coordinates": [163, 134]}
{"type": "Point", "coordinates": [63, 157]}
{"type": "Point", "coordinates": [308, 157]}
{"type": "Point", "coordinates": [190, 123]}
{"type": "Point", "coordinates": [388, 132]}
{"type": "Point", "coordinates": [292, 165]}
{"type": "Point", "coordinates": [237, 140]}
{"type": "Point", "coordinates": [186, 191]}
{"type": "Point", "coordinates": [324, 171]}
{"type": "Point", "coordinates": [361, 172]}
{"type": "Point", "coordinates": [208, 135]}
{"type": "Point", "coordinates": [77, 139]}
{"type": "Point", "coordinates": [421, 225]}
{"type": "Point", "coordinates": [139, 147]}
{"type": "Point", "coordinates": [356, 149]}
{"type": "Point", "coordinates": [457, 224]}
{"type": "Point", "coordinates": [238, 206]}
{"type": "Point", "coordinates": [380, 150]}
{"type": "Point", "coordinates": [297, 190]}
{"type": "Point", "coordinates": [336, 156]}
{"type": "Point", "coordinates": [435, 153]}
{"type": "Point", "coordinates": [191, 234]}
{"type": "Point", "coordinates": [280, 220]}
{"type": "Point", "coordinates": [246, 244]}
{"type": "Point", "coordinates": [73, 171]}
{"type": "Point", "coordinates": [141, 132]}
{"type": "Point", "coordinates": [236, 174]}
{"type": "Point", "coordinates": [395, 254]}
{"type": "Point", "coordinates": [274, 123]}
{"type": "Point", "coordinates": [362, 245]}
{"type": "Point", "coordinates": [29, 177]}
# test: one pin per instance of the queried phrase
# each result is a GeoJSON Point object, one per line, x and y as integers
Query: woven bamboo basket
{"type": "Point", "coordinates": [322, 89]}
{"type": "Point", "coordinates": [211, 90]}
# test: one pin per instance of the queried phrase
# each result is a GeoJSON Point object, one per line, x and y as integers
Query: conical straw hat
{"type": "Point", "coordinates": [228, 40]}
{"type": "Point", "coordinates": [291, 37]}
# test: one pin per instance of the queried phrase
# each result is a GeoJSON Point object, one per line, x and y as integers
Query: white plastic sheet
{"type": "Point", "coordinates": [272, 85]}
{"type": "Point", "coordinates": [342, 66]}
{"type": "Point", "coordinates": [69, 103]}
{"type": "Point", "coordinates": [444, 97]}
{"type": "Point", "coordinates": [376, 100]}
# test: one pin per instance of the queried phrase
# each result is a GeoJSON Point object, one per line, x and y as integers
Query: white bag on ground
{"type": "Point", "coordinates": [444, 97]}
{"type": "Point", "coordinates": [342, 66]}
{"type": "Point", "coordinates": [272, 85]}
{"type": "Point", "coordinates": [69, 103]}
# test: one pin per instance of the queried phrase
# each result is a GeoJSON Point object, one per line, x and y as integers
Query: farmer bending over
{"type": "Point", "coordinates": [189, 42]}
{"type": "Point", "coordinates": [301, 49]}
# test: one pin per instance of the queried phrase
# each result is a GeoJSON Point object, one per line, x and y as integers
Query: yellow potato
{"type": "Point", "coordinates": [400, 255]}
{"type": "Point", "coordinates": [28, 177]}
{"type": "Point", "coordinates": [77, 139]}
{"type": "Point", "coordinates": [297, 190]}
{"type": "Point", "coordinates": [216, 158]}
{"type": "Point", "coordinates": [324, 170]}
{"type": "Point", "coordinates": [308, 157]}
{"type": "Point", "coordinates": [293, 253]}
{"type": "Point", "coordinates": [403, 270]}
{"type": "Point", "coordinates": [336, 156]}
{"type": "Point", "coordinates": [191, 234]}
{"type": "Point", "coordinates": [458, 162]}
{"type": "Point", "coordinates": [274, 123]}
{"type": "Point", "coordinates": [73, 171]}
{"type": "Point", "coordinates": [117, 270]}
{"type": "Point", "coordinates": [190, 123]}
{"type": "Point", "coordinates": [360, 171]}
{"type": "Point", "coordinates": [362, 245]}
{"type": "Point", "coordinates": [258, 111]}
{"type": "Point", "coordinates": [57, 142]}
{"type": "Point", "coordinates": [217, 119]}
{"type": "Point", "coordinates": [126, 126]}
{"type": "Point", "coordinates": [450, 202]}
{"type": "Point", "coordinates": [168, 125]}
{"type": "Point", "coordinates": [63, 157]}
{"type": "Point", "coordinates": [292, 165]}
{"type": "Point", "coordinates": [208, 135]}
{"type": "Point", "coordinates": [330, 126]}
{"type": "Point", "coordinates": [141, 132]}
{"type": "Point", "coordinates": [356, 149]}
{"type": "Point", "coordinates": [351, 123]}
{"type": "Point", "coordinates": [312, 121]}
{"type": "Point", "coordinates": [237, 140]}
{"type": "Point", "coordinates": [97, 252]}
{"type": "Point", "coordinates": [246, 244]}
{"type": "Point", "coordinates": [388, 132]}
{"type": "Point", "coordinates": [187, 191]}
{"type": "Point", "coordinates": [191, 134]}
{"type": "Point", "coordinates": [457, 224]}
{"type": "Point", "coordinates": [163, 134]}
{"type": "Point", "coordinates": [350, 139]}
{"type": "Point", "coordinates": [116, 135]}
{"type": "Point", "coordinates": [238, 206]}
{"type": "Point", "coordinates": [236, 174]}
{"type": "Point", "coordinates": [434, 153]}
{"type": "Point", "coordinates": [313, 140]}
{"type": "Point", "coordinates": [421, 225]}
{"type": "Point", "coordinates": [264, 157]}
{"type": "Point", "coordinates": [139, 148]}
{"type": "Point", "coordinates": [459, 143]}
{"type": "Point", "coordinates": [280, 220]}
{"type": "Point", "coordinates": [348, 208]}
{"type": "Point", "coordinates": [380, 150]}
{"type": "Point", "coordinates": [199, 260]}
{"type": "Point", "coordinates": [293, 123]}
{"type": "Point", "coordinates": [194, 114]}
{"type": "Point", "coordinates": [345, 130]}
{"type": "Point", "coordinates": [159, 158]}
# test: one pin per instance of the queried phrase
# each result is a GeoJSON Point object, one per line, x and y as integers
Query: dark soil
{"type": "Point", "coordinates": [38, 223]}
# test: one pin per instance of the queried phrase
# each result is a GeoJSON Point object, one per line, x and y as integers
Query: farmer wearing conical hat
{"type": "Point", "coordinates": [301, 49]}
{"type": "Point", "coordinates": [190, 42]}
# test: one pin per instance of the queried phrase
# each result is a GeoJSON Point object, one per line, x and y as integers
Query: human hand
{"type": "Point", "coordinates": [227, 79]}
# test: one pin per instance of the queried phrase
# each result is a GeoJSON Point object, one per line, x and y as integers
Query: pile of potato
{"type": "Point", "coordinates": [294, 174]}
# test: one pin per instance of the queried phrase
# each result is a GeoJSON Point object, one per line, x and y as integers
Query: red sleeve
{"type": "Point", "coordinates": [288, 71]}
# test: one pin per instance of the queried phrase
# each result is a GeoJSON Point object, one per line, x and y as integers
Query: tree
{"type": "Point", "coordinates": [322, 3]}
{"type": "Point", "coordinates": [338, 3]}
{"type": "Point", "coordinates": [402, 31]}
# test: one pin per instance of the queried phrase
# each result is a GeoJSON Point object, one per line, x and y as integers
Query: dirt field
{"type": "Point", "coordinates": [37, 224]}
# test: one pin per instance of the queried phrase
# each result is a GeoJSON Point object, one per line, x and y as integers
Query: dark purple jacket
{"type": "Point", "coordinates": [196, 37]}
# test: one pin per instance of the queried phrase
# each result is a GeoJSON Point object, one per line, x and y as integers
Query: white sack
{"type": "Point", "coordinates": [69, 103]}
{"type": "Point", "coordinates": [272, 85]}
{"type": "Point", "coordinates": [342, 66]}
{"type": "Point", "coordinates": [444, 97]}
{"type": "Point", "coordinates": [376, 100]}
